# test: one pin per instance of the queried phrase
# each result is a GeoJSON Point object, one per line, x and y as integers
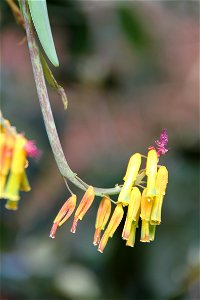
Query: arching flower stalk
{"type": "Point", "coordinates": [14, 152]}
{"type": "Point", "coordinates": [146, 206]}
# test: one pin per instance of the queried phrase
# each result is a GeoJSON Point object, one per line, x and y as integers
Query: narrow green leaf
{"type": "Point", "coordinates": [52, 81]}
{"type": "Point", "coordinates": [39, 15]}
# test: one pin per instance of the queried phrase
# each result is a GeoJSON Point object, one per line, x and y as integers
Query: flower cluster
{"type": "Point", "coordinates": [14, 150]}
{"type": "Point", "coordinates": [145, 205]}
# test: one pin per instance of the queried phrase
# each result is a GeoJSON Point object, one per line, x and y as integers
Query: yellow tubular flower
{"type": "Point", "coordinates": [17, 169]}
{"type": "Point", "coordinates": [112, 226]}
{"type": "Point", "coordinates": [6, 158]}
{"type": "Point", "coordinates": [151, 172]}
{"type": "Point", "coordinates": [133, 208]}
{"type": "Point", "coordinates": [161, 184]}
{"type": "Point", "coordinates": [146, 206]}
{"type": "Point", "coordinates": [103, 215]}
{"type": "Point", "coordinates": [83, 207]}
{"type": "Point", "coordinates": [131, 239]}
{"type": "Point", "coordinates": [129, 178]}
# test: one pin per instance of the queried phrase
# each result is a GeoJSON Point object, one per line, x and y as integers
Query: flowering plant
{"type": "Point", "coordinates": [143, 189]}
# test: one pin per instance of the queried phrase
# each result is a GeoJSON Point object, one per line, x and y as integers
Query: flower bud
{"type": "Point", "coordinates": [131, 238]}
{"type": "Point", "coordinates": [161, 184]}
{"type": "Point", "coordinates": [133, 208]}
{"type": "Point", "coordinates": [103, 215]}
{"type": "Point", "coordinates": [112, 226]}
{"type": "Point", "coordinates": [83, 207]}
{"type": "Point", "coordinates": [146, 206]}
{"type": "Point", "coordinates": [129, 178]}
{"type": "Point", "coordinates": [151, 172]}
{"type": "Point", "coordinates": [63, 214]}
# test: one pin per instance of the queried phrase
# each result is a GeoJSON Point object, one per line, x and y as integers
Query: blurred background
{"type": "Point", "coordinates": [130, 69]}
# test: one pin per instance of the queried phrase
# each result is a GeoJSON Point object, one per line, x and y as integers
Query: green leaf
{"type": "Point", "coordinates": [52, 81]}
{"type": "Point", "coordinates": [134, 29]}
{"type": "Point", "coordinates": [39, 15]}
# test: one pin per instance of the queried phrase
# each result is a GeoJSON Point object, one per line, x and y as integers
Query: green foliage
{"type": "Point", "coordinates": [39, 15]}
{"type": "Point", "coordinates": [133, 28]}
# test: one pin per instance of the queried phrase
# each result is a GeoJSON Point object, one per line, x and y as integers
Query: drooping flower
{"type": "Point", "coordinates": [112, 226]}
{"type": "Point", "coordinates": [63, 215]}
{"type": "Point", "coordinates": [151, 172]}
{"type": "Point", "coordinates": [83, 207]}
{"type": "Point", "coordinates": [147, 206]}
{"type": "Point", "coordinates": [133, 209]}
{"type": "Point", "coordinates": [161, 184]}
{"type": "Point", "coordinates": [129, 178]}
{"type": "Point", "coordinates": [103, 215]}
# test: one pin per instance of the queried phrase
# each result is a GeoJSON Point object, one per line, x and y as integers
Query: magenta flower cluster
{"type": "Point", "coordinates": [162, 143]}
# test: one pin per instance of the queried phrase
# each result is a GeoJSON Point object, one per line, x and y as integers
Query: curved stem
{"type": "Point", "coordinates": [62, 164]}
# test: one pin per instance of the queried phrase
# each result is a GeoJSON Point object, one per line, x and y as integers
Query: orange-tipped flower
{"type": "Point", "coordinates": [161, 184]}
{"type": "Point", "coordinates": [83, 207]}
{"type": "Point", "coordinates": [64, 214]}
{"type": "Point", "coordinates": [112, 226]}
{"type": "Point", "coordinates": [103, 215]}
{"type": "Point", "coordinates": [133, 209]}
{"type": "Point", "coordinates": [151, 172]}
{"type": "Point", "coordinates": [129, 178]}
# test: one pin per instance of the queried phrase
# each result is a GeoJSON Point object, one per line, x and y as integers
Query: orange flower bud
{"type": "Point", "coordinates": [64, 214]}
{"type": "Point", "coordinates": [112, 226]}
{"type": "Point", "coordinates": [133, 209]}
{"type": "Point", "coordinates": [151, 172]}
{"type": "Point", "coordinates": [103, 215]}
{"type": "Point", "coordinates": [83, 207]}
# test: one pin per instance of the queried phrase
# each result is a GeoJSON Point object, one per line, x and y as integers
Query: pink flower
{"type": "Point", "coordinates": [31, 149]}
{"type": "Point", "coordinates": [162, 143]}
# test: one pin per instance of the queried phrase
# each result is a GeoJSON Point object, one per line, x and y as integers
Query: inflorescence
{"type": "Point", "coordinates": [14, 150]}
{"type": "Point", "coordinates": [145, 205]}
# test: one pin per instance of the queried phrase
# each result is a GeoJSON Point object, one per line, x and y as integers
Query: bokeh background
{"type": "Point", "coordinates": [130, 69]}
